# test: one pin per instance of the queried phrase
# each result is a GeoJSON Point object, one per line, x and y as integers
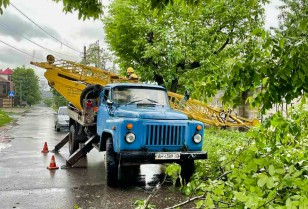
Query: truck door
{"type": "Point", "coordinates": [103, 114]}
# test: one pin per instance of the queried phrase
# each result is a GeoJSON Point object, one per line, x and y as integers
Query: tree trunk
{"type": "Point", "coordinates": [244, 108]}
{"type": "Point", "coordinates": [174, 85]}
{"type": "Point", "coordinates": [159, 79]}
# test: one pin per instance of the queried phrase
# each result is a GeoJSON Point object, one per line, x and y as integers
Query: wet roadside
{"type": "Point", "coordinates": [27, 184]}
{"type": "Point", "coordinates": [14, 113]}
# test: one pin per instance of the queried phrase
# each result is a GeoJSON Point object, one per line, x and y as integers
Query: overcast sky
{"type": "Point", "coordinates": [48, 15]}
{"type": "Point", "coordinates": [64, 27]}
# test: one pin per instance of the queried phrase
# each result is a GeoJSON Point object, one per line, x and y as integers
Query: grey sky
{"type": "Point", "coordinates": [49, 15]}
{"type": "Point", "coordinates": [271, 13]}
{"type": "Point", "coordinates": [13, 25]}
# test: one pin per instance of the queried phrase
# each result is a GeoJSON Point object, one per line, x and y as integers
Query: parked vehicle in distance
{"type": "Point", "coordinates": [61, 118]}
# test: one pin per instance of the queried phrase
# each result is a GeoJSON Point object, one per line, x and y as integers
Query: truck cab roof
{"type": "Point", "coordinates": [112, 85]}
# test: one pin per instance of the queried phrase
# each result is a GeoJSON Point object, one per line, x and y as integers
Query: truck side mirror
{"type": "Point", "coordinates": [109, 103]}
{"type": "Point", "coordinates": [109, 106]}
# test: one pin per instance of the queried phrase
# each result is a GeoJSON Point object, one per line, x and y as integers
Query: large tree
{"type": "Point", "coordinates": [27, 85]}
{"type": "Point", "coordinates": [183, 45]}
{"type": "Point", "coordinates": [93, 8]}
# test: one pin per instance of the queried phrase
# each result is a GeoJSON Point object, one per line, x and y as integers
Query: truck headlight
{"type": "Point", "coordinates": [197, 138]}
{"type": "Point", "coordinates": [130, 138]}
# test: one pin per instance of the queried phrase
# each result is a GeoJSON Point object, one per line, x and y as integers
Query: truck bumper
{"type": "Point", "coordinates": [140, 157]}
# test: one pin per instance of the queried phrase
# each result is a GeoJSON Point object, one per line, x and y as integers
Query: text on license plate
{"type": "Point", "coordinates": [167, 156]}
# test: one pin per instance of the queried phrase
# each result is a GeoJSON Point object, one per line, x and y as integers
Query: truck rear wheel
{"type": "Point", "coordinates": [111, 164]}
{"type": "Point", "coordinates": [187, 170]}
{"type": "Point", "coordinates": [72, 143]}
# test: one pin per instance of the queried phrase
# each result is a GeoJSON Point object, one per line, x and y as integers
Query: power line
{"type": "Point", "coordinates": [20, 50]}
{"type": "Point", "coordinates": [50, 50]}
{"type": "Point", "coordinates": [45, 30]}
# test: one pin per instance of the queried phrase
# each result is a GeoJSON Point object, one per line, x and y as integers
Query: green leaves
{"type": "Point", "coordinates": [27, 85]}
{"type": "Point", "coordinates": [4, 118]}
{"type": "Point", "coordinates": [3, 3]}
{"type": "Point", "coordinates": [184, 45]}
{"type": "Point", "coordinates": [264, 168]}
{"type": "Point", "coordinates": [266, 180]}
{"type": "Point", "coordinates": [263, 178]}
{"type": "Point", "coordinates": [271, 170]}
{"type": "Point", "coordinates": [86, 8]}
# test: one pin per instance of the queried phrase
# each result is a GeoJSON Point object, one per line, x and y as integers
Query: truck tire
{"type": "Point", "coordinates": [90, 92]}
{"type": "Point", "coordinates": [72, 142]}
{"type": "Point", "coordinates": [111, 164]}
{"type": "Point", "coordinates": [187, 170]}
{"type": "Point", "coordinates": [57, 128]}
{"type": "Point", "coordinates": [128, 175]}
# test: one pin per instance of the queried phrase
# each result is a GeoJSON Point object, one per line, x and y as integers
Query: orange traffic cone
{"type": "Point", "coordinates": [52, 164]}
{"type": "Point", "coordinates": [45, 148]}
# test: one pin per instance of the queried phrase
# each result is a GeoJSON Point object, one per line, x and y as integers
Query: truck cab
{"type": "Point", "coordinates": [136, 125]}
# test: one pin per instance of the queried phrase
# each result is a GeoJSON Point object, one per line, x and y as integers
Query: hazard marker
{"type": "Point", "coordinates": [45, 148]}
{"type": "Point", "coordinates": [52, 164]}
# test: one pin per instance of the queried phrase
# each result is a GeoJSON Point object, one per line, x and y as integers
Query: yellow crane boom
{"type": "Point", "coordinates": [70, 78]}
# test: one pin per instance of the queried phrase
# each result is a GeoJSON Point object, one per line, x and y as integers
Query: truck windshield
{"type": "Point", "coordinates": [136, 95]}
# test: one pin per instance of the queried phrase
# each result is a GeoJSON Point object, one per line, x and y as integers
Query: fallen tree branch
{"type": "Point", "coordinates": [222, 175]}
{"type": "Point", "coordinates": [154, 192]}
{"type": "Point", "coordinates": [187, 201]}
{"type": "Point", "coordinates": [267, 202]}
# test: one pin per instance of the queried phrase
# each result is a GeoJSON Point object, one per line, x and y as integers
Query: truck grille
{"type": "Point", "coordinates": [164, 135]}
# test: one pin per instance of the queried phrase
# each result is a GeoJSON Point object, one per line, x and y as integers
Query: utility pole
{"type": "Point", "coordinates": [98, 59]}
{"type": "Point", "coordinates": [20, 93]}
{"type": "Point", "coordinates": [85, 55]}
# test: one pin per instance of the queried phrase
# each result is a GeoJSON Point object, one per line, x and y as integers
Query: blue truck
{"type": "Point", "coordinates": [134, 124]}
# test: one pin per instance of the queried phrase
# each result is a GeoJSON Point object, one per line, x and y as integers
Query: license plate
{"type": "Point", "coordinates": [167, 156]}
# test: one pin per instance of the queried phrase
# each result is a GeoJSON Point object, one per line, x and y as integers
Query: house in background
{"type": "Point", "coordinates": [6, 85]}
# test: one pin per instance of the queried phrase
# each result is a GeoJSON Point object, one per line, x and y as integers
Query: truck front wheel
{"type": "Point", "coordinates": [187, 170]}
{"type": "Point", "coordinates": [111, 164]}
{"type": "Point", "coordinates": [72, 143]}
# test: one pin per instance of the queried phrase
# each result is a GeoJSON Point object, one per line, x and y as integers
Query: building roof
{"type": "Point", "coordinates": [8, 71]}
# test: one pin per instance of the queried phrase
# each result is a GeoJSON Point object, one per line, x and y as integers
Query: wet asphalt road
{"type": "Point", "coordinates": [26, 183]}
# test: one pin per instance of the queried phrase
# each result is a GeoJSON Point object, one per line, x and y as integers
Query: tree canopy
{"type": "Point", "coordinates": [274, 64]}
{"type": "Point", "coordinates": [3, 3]}
{"type": "Point", "coordinates": [184, 45]}
{"type": "Point", "coordinates": [94, 8]}
{"type": "Point", "coordinates": [213, 45]}
{"type": "Point", "coordinates": [86, 8]}
{"type": "Point", "coordinates": [27, 85]}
